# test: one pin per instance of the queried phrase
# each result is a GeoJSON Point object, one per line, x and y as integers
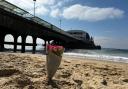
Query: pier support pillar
{"type": "Point", "coordinates": [34, 45]}
{"type": "Point", "coordinates": [2, 41]}
{"type": "Point", "coordinates": [23, 43]}
{"type": "Point", "coordinates": [15, 42]}
{"type": "Point", "coordinates": [45, 44]}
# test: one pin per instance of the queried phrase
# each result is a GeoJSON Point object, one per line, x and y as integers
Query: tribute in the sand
{"type": "Point", "coordinates": [53, 59]}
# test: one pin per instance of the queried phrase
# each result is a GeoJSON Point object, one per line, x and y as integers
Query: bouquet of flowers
{"type": "Point", "coordinates": [53, 59]}
{"type": "Point", "coordinates": [57, 50]}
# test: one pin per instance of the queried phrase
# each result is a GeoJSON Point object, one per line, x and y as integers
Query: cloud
{"type": "Point", "coordinates": [60, 3]}
{"type": "Point", "coordinates": [28, 5]}
{"type": "Point", "coordinates": [56, 9]}
{"type": "Point", "coordinates": [46, 2]}
{"type": "Point", "coordinates": [55, 13]}
{"type": "Point", "coordinates": [42, 6]}
{"type": "Point", "coordinates": [77, 11]}
{"type": "Point", "coordinates": [80, 12]}
{"type": "Point", "coordinates": [25, 4]}
{"type": "Point", "coordinates": [41, 11]}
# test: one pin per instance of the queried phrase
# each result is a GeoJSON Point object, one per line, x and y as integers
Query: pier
{"type": "Point", "coordinates": [18, 22]}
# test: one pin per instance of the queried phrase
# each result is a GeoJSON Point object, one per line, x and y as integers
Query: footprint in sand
{"type": "Point", "coordinates": [8, 72]}
{"type": "Point", "coordinates": [125, 80]}
{"type": "Point", "coordinates": [67, 62]}
{"type": "Point", "coordinates": [79, 82]}
{"type": "Point", "coordinates": [77, 65]}
{"type": "Point", "coordinates": [66, 74]}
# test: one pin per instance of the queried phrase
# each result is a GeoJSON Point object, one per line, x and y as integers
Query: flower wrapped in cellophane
{"type": "Point", "coordinates": [53, 59]}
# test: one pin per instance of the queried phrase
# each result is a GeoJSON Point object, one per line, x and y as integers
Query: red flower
{"type": "Point", "coordinates": [58, 50]}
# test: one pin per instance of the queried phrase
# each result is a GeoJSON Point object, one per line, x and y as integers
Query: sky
{"type": "Point", "coordinates": [105, 20]}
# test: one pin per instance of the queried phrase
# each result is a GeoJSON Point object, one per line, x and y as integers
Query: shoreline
{"type": "Point", "coordinates": [100, 57]}
{"type": "Point", "coordinates": [25, 70]}
{"type": "Point", "coordinates": [92, 59]}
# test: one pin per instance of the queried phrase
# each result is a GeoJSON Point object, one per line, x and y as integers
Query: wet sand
{"type": "Point", "coordinates": [28, 71]}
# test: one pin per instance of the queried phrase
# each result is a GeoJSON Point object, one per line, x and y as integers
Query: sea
{"type": "Point", "coordinates": [109, 54]}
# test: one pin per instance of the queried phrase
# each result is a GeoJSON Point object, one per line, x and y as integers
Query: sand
{"type": "Point", "coordinates": [28, 71]}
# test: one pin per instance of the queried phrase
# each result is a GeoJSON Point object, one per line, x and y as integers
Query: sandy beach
{"type": "Point", "coordinates": [28, 71]}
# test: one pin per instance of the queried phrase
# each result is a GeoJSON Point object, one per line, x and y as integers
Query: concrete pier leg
{"type": "Point", "coordinates": [23, 43]}
{"type": "Point", "coordinates": [15, 42]}
{"type": "Point", "coordinates": [34, 45]}
{"type": "Point", "coordinates": [2, 41]}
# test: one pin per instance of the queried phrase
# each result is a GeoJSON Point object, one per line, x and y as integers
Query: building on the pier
{"type": "Point", "coordinates": [82, 35]}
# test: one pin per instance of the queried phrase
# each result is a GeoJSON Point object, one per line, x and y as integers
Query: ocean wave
{"type": "Point", "coordinates": [98, 57]}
